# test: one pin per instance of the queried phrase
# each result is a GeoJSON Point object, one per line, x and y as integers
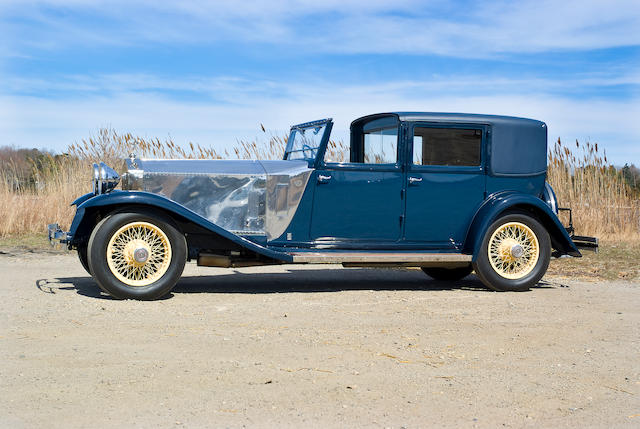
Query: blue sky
{"type": "Point", "coordinates": [211, 72]}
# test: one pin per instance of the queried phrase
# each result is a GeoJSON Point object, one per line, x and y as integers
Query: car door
{"type": "Point", "coordinates": [445, 182]}
{"type": "Point", "coordinates": [360, 200]}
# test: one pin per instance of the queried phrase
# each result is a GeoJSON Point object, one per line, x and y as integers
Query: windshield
{"type": "Point", "coordinates": [305, 140]}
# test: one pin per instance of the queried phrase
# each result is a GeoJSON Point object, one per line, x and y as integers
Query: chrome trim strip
{"type": "Point", "coordinates": [377, 257]}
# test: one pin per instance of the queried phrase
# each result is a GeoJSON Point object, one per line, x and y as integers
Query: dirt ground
{"type": "Point", "coordinates": [313, 346]}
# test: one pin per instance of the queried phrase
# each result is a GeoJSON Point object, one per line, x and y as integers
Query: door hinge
{"type": "Point", "coordinates": [401, 219]}
{"type": "Point", "coordinates": [402, 194]}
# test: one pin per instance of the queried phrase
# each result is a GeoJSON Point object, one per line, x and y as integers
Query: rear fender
{"type": "Point", "coordinates": [86, 216]}
{"type": "Point", "coordinates": [502, 202]}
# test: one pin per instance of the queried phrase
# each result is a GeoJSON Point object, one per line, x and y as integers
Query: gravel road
{"type": "Point", "coordinates": [312, 346]}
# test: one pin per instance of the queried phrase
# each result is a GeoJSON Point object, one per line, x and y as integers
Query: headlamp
{"type": "Point", "coordinates": [105, 178]}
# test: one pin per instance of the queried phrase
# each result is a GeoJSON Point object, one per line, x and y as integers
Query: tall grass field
{"type": "Point", "coordinates": [603, 203]}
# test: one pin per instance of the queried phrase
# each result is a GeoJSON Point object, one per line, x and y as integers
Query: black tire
{"type": "Point", "coordinates": [498, 282]}
{"type": "Point", "coordinates": [448, 274]}
{"type": "Point", "coordinates": [104, 274]}
{"type": "Point", "coordinates": [83, 257]}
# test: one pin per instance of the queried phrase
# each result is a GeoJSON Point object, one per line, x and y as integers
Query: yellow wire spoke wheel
{"type": "Point", "coordinates": [513, 250]}
{"type": "Point", "coordinates": [138, 254]}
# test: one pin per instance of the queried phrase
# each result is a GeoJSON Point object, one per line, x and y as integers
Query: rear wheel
{"type": "Point", "coordinates": [136, 255]}
{"type": "Point", "coordinates": [514, 254]}
{"type": "Point", "coordinates": [448, 274]}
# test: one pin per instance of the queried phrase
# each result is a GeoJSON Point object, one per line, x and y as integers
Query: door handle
{"type": "Point", "coordinates": [414, 180]}
{"type": "Point", "coordinates": [323, 179]}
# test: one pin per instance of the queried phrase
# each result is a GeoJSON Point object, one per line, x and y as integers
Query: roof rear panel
{"type": "Point", "coordinates": [518, 148]}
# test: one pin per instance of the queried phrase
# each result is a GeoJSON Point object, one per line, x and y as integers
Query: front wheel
{"type": "Point", "coordinates": [514, 254]}
{"type": "Point", "coordinates": [136, 255]}
{"type": "Point", "coordinates": [83, 257]}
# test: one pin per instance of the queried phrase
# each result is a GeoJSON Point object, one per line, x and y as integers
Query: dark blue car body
{"type": "Point", "coordinates": [418, 201]}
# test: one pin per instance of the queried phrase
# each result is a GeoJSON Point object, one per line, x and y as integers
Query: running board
{"type": "Point", "coordinates": [382, 258]}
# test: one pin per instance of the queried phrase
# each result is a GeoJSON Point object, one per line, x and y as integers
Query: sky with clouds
{"type": "Point", "coordinates": [211, 72]}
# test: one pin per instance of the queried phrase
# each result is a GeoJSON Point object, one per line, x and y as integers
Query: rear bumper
{"type": "Point", "coordinates": [582, 242]}
{"type": "Point", "coordinates": [585, 243]}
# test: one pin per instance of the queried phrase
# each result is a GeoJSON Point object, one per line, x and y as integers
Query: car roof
{"type": "Point", "coordinates": [455, 117]}
{"type": "Point", "coordinates": [518, 146]}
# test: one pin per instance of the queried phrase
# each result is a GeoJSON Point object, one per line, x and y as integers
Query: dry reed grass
{"type": "Point", "coordinates": [29, 210]}
{"type": "Point", "coordinates": [602, 203]}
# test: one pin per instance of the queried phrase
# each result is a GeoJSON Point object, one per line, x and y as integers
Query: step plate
{"type": "Point", "coordinates": [377, 257]}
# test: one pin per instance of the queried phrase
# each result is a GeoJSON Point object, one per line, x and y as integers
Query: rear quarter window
{"type": "Point", "coordinates": [446, 146]}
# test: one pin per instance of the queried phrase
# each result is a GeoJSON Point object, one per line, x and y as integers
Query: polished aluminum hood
{"type": "Point", "coordinates": [246, 197]}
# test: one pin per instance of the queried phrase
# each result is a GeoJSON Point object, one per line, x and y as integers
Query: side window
{"type": "Point", "coordinates": [381, 146]}
{"type": "Point", "coordinates": [446, 146]}
{"type": "Point", "coordinates": [372, 141]}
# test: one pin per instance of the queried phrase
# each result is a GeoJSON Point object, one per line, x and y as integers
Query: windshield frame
{"type": "Point", "coordinates": [327, 123]}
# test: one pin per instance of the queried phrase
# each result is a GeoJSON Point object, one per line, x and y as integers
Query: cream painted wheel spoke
{"type": "Point", "coordinates": [135, 236]}
{"type": "Point", "coordinates": [513, 250]}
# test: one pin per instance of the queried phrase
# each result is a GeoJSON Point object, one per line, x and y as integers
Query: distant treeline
{"type": "Point", "coordinates": [22, 169]}
{"type": "Point", "coordinates": [631, 175]}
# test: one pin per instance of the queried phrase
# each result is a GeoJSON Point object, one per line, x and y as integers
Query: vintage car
{"type": "Point", "coordinates": [449, 193]}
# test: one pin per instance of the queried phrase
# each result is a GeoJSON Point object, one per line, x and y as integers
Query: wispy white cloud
{"type": "Point", "coordinates": [235, 89]}
{"type": "Point", "coordinates": [440, 27]}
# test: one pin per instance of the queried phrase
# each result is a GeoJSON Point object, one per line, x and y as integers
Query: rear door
{"type": "Point", "coordinates": [445, 182]}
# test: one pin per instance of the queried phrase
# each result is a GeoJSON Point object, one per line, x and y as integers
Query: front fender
{"type": "Point", "coordinates": [82, 199]}
{"type": "Point", "coordinates": [501, 202]}
{"type": "Point", "coordinates": [117, 199]}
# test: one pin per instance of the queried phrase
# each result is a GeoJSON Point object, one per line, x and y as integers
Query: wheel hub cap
{"type": "Point", "coordinates": [506, 250]}
{"type": "Point", "coordinates": [136, 253]}
{"type": "Point", "coordinates": [517, 251]}
{"type": "Point", "coordinates": [141, 255]}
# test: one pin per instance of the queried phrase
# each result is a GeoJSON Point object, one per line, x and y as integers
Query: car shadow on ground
{"type": "Point", "coordinates": [82, 285]}
{"type": "Point", "coordinates": [326, 280]}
